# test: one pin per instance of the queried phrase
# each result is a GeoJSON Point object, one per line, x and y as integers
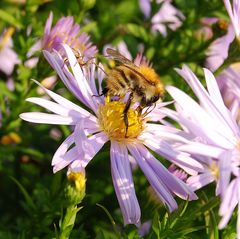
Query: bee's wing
{"type": "Point", "coordinates": [119, 57]}
{"type": "Point", "coordinates": [127, 63]}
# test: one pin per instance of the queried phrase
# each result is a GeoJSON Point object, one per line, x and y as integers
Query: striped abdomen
{"type": "Point", "coordinates": [121, 80]}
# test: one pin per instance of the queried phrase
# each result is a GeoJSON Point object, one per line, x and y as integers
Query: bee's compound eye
{"type": "Point", "coordinates": [155, 98]}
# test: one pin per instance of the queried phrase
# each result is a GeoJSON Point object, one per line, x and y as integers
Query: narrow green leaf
{"type": "Point", "coordinates": [108, 214]}
{"type": "Point", "coordinates": [25, 194]}
{"type": "Point", "coordinates": [10, 19]}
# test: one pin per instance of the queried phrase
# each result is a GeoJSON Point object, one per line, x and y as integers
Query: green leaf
{"type": "Point", "coordinates": [10, 19]}
{"type": "Point", "coordinates": [25, 194]}
{"type": "Point", "coordinates": [108, 214]}
{"type": "Point", "coordinates": [137, 31]}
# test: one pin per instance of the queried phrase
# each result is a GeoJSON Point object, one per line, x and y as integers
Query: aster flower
{"type": "Point", "coordinates": [8, 57]}
{"type": "Point", "coordinates": [65, 31]}
{"type": "Point", "coordinates": [167, 16]}
{"type": "Point", "coordinates": [217, 133]}
{"type": "Point", "coordinates": [93, 130]}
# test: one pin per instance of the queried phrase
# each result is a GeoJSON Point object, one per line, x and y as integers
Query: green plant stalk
{"type": "Point", "coordinates": [68, 221]}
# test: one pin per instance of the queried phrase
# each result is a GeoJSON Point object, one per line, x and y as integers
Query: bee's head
{"type": "Point", "coordinates": [152, 78]}
{"type": "Point", "coordinates": [149, 102]}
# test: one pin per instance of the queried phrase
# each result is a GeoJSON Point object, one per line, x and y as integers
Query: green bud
{"type": "Point", "coordinates": [75, 190]}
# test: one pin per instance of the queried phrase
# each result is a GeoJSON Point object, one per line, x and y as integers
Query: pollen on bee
{"type": "Point", "coordinates": [149, 73]}
{"type": "Point", "coordinates": [111, 121]}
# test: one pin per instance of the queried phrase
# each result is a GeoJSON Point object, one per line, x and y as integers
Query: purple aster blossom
{"type": "Point", "coordinates": [167, 16]}
{"type": "Point", "coordinates": [218, 136]}
{"type": "Point", "coordinates": [92, 130]}
{"type": "Point", "coordinates": [8, 57]}
{"type": "Point", "coordinates": [218, 50]}
{"type": "Point", "coordinates": [65, 31]}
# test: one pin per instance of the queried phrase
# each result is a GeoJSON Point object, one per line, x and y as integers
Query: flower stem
{"type": "Point", "coordinates": [67, 224]}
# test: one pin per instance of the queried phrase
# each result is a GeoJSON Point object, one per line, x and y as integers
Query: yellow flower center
{"type": "Point", "coordinates": [78, 178]}
{"type": "Point", "coordinates": [111, 121]}
{"type": "Point", "coordinates": [215, 170]}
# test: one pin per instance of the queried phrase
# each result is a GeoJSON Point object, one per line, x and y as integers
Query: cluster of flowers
{"type": "Point", "coordinates": [206, 146]}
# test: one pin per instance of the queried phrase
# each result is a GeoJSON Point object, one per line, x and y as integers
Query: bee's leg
{"type": "Point", "coordinates": [139, 110]}
{"type": "Point", "coordinates": [125, 111]}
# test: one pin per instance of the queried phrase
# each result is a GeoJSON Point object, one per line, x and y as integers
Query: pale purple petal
{"type": "Point", "coordinates": [218, 50]}
{"type": "Point", "coordinates": [123, 184]}
{"type": "Point", "coordinates": [32, 62]}
{"type": "Point", "coordinates": [48, 25]}
{"type": "Point", "coordinates": [201, 149]}
{"type": "Point", "coordinates": [181, 159]}
{"type": "Point", "coordinates": [211, 128]}
{"type": "Point", "coordinates": [87, 146]}
{"type": "Point", "coordinates": [199, 181]}
{"type": "Point", "coordinates": [167, 15]}
{"type": "Point", "coordinates": [229, 202]}
{"type": "Point", "coordinates": [154, 179]}
{"type": "Point", "coordinates": [55, 108]}
{"type": "Point", "coordinates": [211, 101]}
{"type": "Point", "coordinates": [44, 118]}
{"type": "Point", "coordinates": [234, 14]}
{"type": "Point", "coordinates": [66, 103]}
{"type": "Point", "coordinates": [37, 46]}
{"type": "Point", "coordinates": [69, 157]}
{"type": "Point", "coordinates": [68, 79]}
{"type": "Point", "coordinates": [216, 98]}
{"type": "Point", "coordinates": [144, 228]}
{"type": "Point", "coordinates": [62, 149]}
{"type": "Point", "coordinates": [145, 6]}
{"type": "Point", "coordinates": [174, 184]}
{"type": "Point", "coordinates": [225, 172]}
{"type": "Point", "coordinates": [8, 59]}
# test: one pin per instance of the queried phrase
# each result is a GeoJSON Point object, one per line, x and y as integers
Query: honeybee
{"type": "Point", "coordinates": [142, 82]}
